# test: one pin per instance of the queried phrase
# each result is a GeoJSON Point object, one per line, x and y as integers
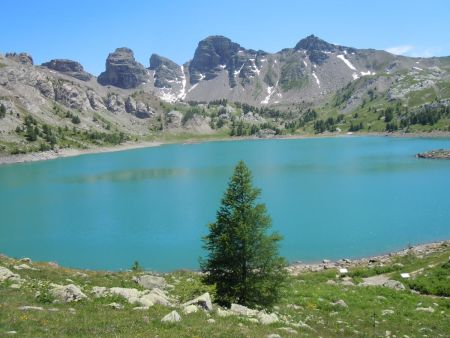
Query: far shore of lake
{"type": "Point", "coordinates": [70, 152]}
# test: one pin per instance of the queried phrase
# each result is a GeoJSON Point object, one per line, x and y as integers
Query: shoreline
{"type": "Point", "coordinates": [295, 268]}
{"type": "Point", "coordinates": [6, 159]}
{"type": "Point", "coordinates": [382, 258]}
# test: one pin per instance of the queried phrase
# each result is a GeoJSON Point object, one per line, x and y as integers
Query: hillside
{"type": "Point", "coordinates": [372, 299]}
{"type": "Point", "coordinates": [225, 90]}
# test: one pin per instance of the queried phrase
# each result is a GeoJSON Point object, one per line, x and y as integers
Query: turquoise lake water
{"type": "Point", "coordinates": [329, 197]}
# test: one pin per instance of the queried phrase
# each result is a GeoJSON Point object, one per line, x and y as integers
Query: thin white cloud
{"type": "Point", "coordinates": [400, 50]}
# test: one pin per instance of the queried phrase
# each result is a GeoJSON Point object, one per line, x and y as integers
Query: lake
{"type": "Point", "coordinates": [342, 197]}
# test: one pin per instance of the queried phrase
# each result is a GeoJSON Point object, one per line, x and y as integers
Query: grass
{"type": "Point", "coordinates": [307, 300]}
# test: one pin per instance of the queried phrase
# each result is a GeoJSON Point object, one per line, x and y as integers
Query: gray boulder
{"type": "Point", "coordinates": [150, 282]}
{"type": "Point", "coordinates": [67, 293]}
{"type": "Point", "coordinates": [267, 318]}
{"type": "Point", "coordinates": [203, 301]}
{"type": "Point", "coordinates": [243, 310]}
{"type": "Point", "coordinates": [6, 274]}
{"type": "Point", "coordinates": [171, 317]}
{"type": "Point", "coordinates": [393, 284]}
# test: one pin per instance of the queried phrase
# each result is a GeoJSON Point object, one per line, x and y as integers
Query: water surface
{"type": "Point", "coordinates": [329, 198]}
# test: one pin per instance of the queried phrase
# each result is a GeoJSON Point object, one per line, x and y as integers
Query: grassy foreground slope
{"type": "Point", "coordinates": [313, 304]}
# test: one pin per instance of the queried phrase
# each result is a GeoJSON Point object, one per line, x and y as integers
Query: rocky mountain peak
{"type": "Point", "coordinates": [68, 67]}
{"type": "Point", "coordinates": [217, 53]}
{"type": "Point", "coordinates": [23, 58]}
{"type": "Point", "coordinates": [122, 70]}
{"type": "Point", "coordinates": [166, 71]}
{"type": "Point", "coordinates": [313, 43]}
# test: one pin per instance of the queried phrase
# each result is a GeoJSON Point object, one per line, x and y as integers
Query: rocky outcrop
{"type": "Point", "coordinates": [23, 58]}
{"type": "Point", "coordinates": [122, 70]}
{"type": "Point", "coordinates": [114, 103]}
{"type": "Point", "coordinates": [216, 53]}
{"type": "Point", "coordinates": [138, 108]}
{"type": "Point", "coordinates": [436, 154]}
{"type": "Point", "coordinates": [203, 302]}
{"type": "Point", "coordinates": [71, 96]}
{"type": "Point", "coordinates": [68, 67]}
{"type": "Point", "coordinates": [6, 274]}
{"type": "Point", "coordinates": [166, 71]}
{"type": "Point", "coordinates": [174, 119]}
{"type": "Point", "coordinates": [134, 296]}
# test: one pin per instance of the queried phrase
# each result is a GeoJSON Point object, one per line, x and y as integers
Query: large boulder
{"type": "Point", "coordinates": [203, 301]}
{"type": "Point", "coordinates": [151, 282]}
{"type": "Point", "coordinates": [122, 70]}
{"type": "Point", "coordinates": [174, 119]}
{"type": "Point", "coordinates": [68, 67]}
{"type": "Point", "coordinates": [67, 293]}
{"type": "Point", "coordinates": [267, 318]}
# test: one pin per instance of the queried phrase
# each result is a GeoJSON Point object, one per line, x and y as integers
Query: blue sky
{"type": "Point", "coordinates": [87, 31]}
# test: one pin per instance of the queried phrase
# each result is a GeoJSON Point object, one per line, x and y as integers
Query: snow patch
{"type": "Point", "coordinates": [270, 92]}
{"type": "Point", "coordinates": [236, 72]}
{"type": "Point", "coordinates": [315, 66]}
{"type": "Point", "coordinates": [367, 73]}
{"type": "Point", "coordinates": [417, 68]}
{"type": "Point", "coordinates": [304, 62]}
{"type": "Point", "coordinates": [355, 76]}
{"type": "Point", "coordinates": [348, 63]}
{"type": "Point", "coordinates": [317, 79]}
{"type": "Point", "coordinates": [345, 52]}
{"type": "Point", "coordinates": [222, 66]}
{"type": "Point", "coordinates": [182, 94]}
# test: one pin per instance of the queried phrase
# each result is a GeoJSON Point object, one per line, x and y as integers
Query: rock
{"type": "Point", "coordinates": [72, 310]}
{"type": "Point", "coordinates": [99, 291]}
{"type": "Point", "coordinates": [211, 321]}
{"type": "Point", "coordinates": [71, 96]}
{"type": "Point", "coordinates": [122, 70]}
{"type": "Point", "coordinates": [253, 320]}
{"type": "Point", "coordinates": [387, 312]}
{"type": "Point", "coordinates": [393, 284]}
{"type": "Point", "coordinates": [95, 100]}
{"type": "Point", "coordinates": [330, 282]}
{"type": "Point", "coordinates": [6, 274]}
{"type": "Point", "coordinates": [68, 67]}
{"type": "Point", "coordinates": [243, 310]}
{"type": "Point", "coordinates": [340, 303]}
{"type": "Point", "coordinates": [67, 293]}
{"type": "Point", "coordinates": [303, 325]}
{"type": "Point", "coordinates": [156, 296]}
{"type": "Point", "coordinates": [140, 110]}
{"type": "Point", "coordinates": [224, 313]}
{"type": "Point", "coordinates": [141, 308]}
{"type": "Point", "coordinates": [27, 307]}
{"type": "Point", "coordinates": [150, 282]}
{"type": "Point", "coordinates": [22, 267]}
{"type": "Point", "coordinates": [425, 309]}
{"type": "Point", "coordinates": [190, 309]}
{"type": "Point", "coordinates": [288, 330]}
{"type": "Point", "coordinates": [15, 286]}
{"type": "Point", "coordinates": [114, 103]}
{"type": "Point", "coordinates": [116, 306]}
{"type": "Point", "coordinates": [203, 301]}
{"type": "Point", "coordinates": [130, 294]}
{"type": "Point", "coordinates": [53, 264]}
{"type": "Point", "coordinates": [266, 319]}
{"type": "Point", "coordinates": [174, 119]}
{"type": "Point", "coordinates": [11, 332]}
{"type": "Point", "coordinates": [26, 260]}
{"type": "Point", "coordinates": [171, 317]}
{"type": "Point", "coordinates": [347, 283]}
{"type": "Point", "coordinates": [23, 58]}
{"type": "Point", "coordinates": [273, 335]}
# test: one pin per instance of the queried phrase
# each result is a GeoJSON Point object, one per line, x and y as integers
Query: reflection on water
{"type": "Point", "coordinates": [128, 175]}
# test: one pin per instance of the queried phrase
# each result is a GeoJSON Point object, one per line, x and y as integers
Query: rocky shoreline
{"type": "Point", "coordinates": [442, 154]}
{"type": "Point", "coordinates": [418, 250]}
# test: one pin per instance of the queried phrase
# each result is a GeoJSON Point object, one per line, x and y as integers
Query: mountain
{"type": "Point", "coordinates": [315, 86]}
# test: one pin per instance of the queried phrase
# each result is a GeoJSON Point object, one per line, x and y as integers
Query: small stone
{"type": "Point", "coordinates": [330, 282]}
{"type": "Point", "coordinates": [72, 310]}
{"type": "Point", "coordinates": [211, 321]}
{"type": "Point", "coordinates": [141, 308]}
{"type": "Point", "coordinates": [393, 284]}
{"type": "Point", "coordinates": [171, 317]}
{"type": "Point", "coordinates": [151, 282]}
{"type": "Point", "coordinates": [273, 335]}
{"type": "Point", "coordinates": [243, 310]}
{"type": "Point", "coordinates": [340, 303]}
{"type": "Point", "coordinates": [253, 320]}
{"type": "Point", "coordinates": [288, 330]}
{"type": "Point", "coordinates": [11, 332]}
{"type": "Point", "coordinates": [15, 286]}
{"type": "Point", "coordinates": [116, 306]}
{"type": "Point", "coordinates": [22, 267]}
{"type": "Point", "coordinates": [27, 307]}
{"type": "Point", "coordinates": [425, 309]}
{"type": "Point", "coordinates": [387, 312]}
{"type": "Point", "coordinates": [224, 313]}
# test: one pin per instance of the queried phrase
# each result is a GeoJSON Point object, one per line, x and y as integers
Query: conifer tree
{"type": "Point", "coordinates": [243, 260]}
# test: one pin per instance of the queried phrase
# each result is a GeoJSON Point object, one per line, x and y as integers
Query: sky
{"type": "Point", "coordinates": [88, 30]}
